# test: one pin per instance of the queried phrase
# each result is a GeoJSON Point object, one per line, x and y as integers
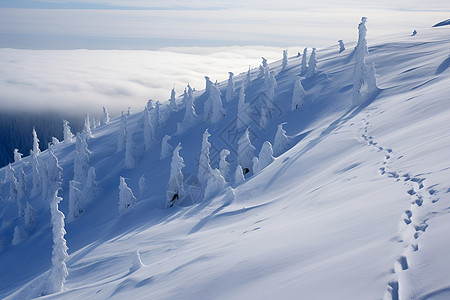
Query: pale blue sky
{"type": "Point", "coordinates": [143, 24]}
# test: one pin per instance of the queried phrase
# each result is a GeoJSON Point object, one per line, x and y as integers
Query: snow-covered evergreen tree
{"type": "Point", "coordinates": [360, 71]}
{"type": "Point", "coordinates": [75, 201]}
{"type": "Point", "coordinates": [304, 68]}
{"type": "Point", "coordinates": [173, 102]}
{"type": "Point", "coordinates": [238, 175]}
{"type": "Point", "coordinates": [281, 142]}
{"type": "Point", "coordinates": [248, 79]}
{"type": "Point", "coordinates": [148, 130]}
{"type": "Point", "coordinates": [35, 173]}
{"type": "Point", "coordinates": [130, 148]}
{"type": "Point", "coordinates": [213, 111]}
{"type": "Point", "coordinates": [126, 197]}
{"type": "Point", "coordinates": [224, 165]}
{"type": "Point", "coordinates": [122, 133]}
{"type": "Point", "coordinates": [52, 177]}
{"type": "Point", "coordinates": [264, 62]}
{"type": "Point", "coordinates": [185, 97]}
{"type": "Point", "coordinates": [36, 149]}
{"type": "Point", "coordinates": [58, 272]}
{"type": "Point", "coordinates": [17, 155]}
{"type": "Point", "coordinates": [90, 187]}
{"type": "Point", "coordinates": [255, 167]}
{"type": "Point", "coordinates": [175, 189]}
{"type": "Point", "coordinates": [81, 159]}
{"type": "Point", "coordinates": [142, 186]}
{"type": "Point", "coordinates": [312, 66]}
{"type": "Point", "coordinates": [22, 182]}
{"type": "Point", "coordinates": [298, 94]}
{"type": "Point", "coordinates": [230, 88]}
{"type": "Point", "coordinates": [215, 183]}
{"type": "Point", "coordinates": [105, 118]}
{"type": "Point", "coordinates": [68, 136]}
{"type": "Point", "coordinates": [270, 84]}
{"type": "Point", "coordinates": [55, 141]}
{"type": "Point", "coordinates": [242, 114]}
{"type": "Point", "coordinates": [341, 46]}
{"type": "Point", "coordinates": [246, 152]}
{"type": "Point", "coordinates": [264, 117]}
{"type": "Point", "coordinates": [261, 71]}
{"type": "Point", "coordinates": [166, 148]}
{"type": "Point", "coordinates": [129, 112]}
{"type": "Point", "coordinates": [87, 131]}
{"type": "Point", "coordinates": [208, 84]}
{"type": "Point", "coordinates": [265, 157]}
{"type": "Point", "coordinates": [155, 115]}
{"type": "Point", "coordinates": [30, 217]}
{"type": "Point", "coordinates": [204, 163]}
{"type": "Point", "coordinates": [285, 58]}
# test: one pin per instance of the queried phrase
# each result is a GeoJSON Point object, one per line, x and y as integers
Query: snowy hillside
{"type": "Point", "coordinates": [356, 205]}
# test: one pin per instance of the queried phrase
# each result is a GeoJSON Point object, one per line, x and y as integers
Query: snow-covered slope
{"type": "Point", "coordinates": [357, 208]}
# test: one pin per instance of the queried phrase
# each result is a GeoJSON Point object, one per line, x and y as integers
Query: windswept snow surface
{"type": "Point", "coordinates": [357, 208]}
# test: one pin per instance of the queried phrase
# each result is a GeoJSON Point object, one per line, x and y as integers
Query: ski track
{"type": "Point", "coordinates": [413, 221]}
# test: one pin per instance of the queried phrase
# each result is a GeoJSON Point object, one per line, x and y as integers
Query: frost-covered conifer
{"type": "Point", "coordinates": [52, 177]}
{"type": "Point", "coordinates": [126, 197]}
{"type": "Point", "coordinates": [173, 103]}
{"type": "Point", "coordinates": [22, 182]}
{"type": "Point", "coordinates": [87, 131]}
{"type": "Point", "coordinates": [248, 79]}
{"type": "Point", "coordinates": [208, 84]}
{"type": "Point", "coordinates": [36, 149]}
{"type": "Point", "coordinates": [246, 152]}
{"type": "Point", "coordinates": [341, 46]}
{"type": "Point", "coordinates": [90, 187]}
{"type": "Point", "coordinates": [142, 187]}
{"type": "Point", "coordinates": [261, 71]}
{"type": "Point", "coordinates": [68, 136]}
{"type": "Point", "coordinates": [122, 134]}
{"type": "Point", "coordinates": [204, 164]}
{"type": "Point", "coordinates": [264, 116]}
{"type": "Point", "coordinates": [55, 141]}
{"type": "Point", "coordinates": [265, 155]}
{"type": "Point", "coordinates": [224, 165]}
{"type": "Point", "coordinates": [130, 149]}
{"type": "Point", "coordinates": [175, 189]}
{"type": "Point", "coordinates": [137, 262]}
{"type": "Point", "coordinates": [298, 94]}
{"type": "Point", "coordinates": [35, 173]}
{"type": "Point", "coordinates": [215, 183]}
{"type": "Point", "coordinates": [105, 118]}
{"type": "Point", "coordinates": [166, 148]}
{"type": "Point", "coordinates": [270, 84]}
{"type": "Point", "coordinates": [148, 130]}
{"type": "Point", "coordinates": [242, 114]}
{"type": "Point", "coordinates": [185, 97]}
{"type": "Point", "coordinates": [30, 216]}
{"type": "Point", "coordinates": [81, 159]}
{"type": "Point", "coordinates": [150, 104]}
{"type": "Point", "coordinates": [17, 155]}
{"type": "Point", "coordinates": [304, 67]}
{"type": "Point", "coordinates": [363, 76]}
{"type": "Point", "coordinates": [285, 58]}
{"type": "Point", "coordinates": [13, 189]}
{"type": "Point", "coordinates": [155, 114]}
{"type": "Point", "coordinates": [214, 111]}
{"type": "Point", "coordinates": [255, 166]}
{"type": "Point", "coordinates": [281, 142]}
{"type": "Point", "coordinates": [264, 62]}
{"type": "Point", "coordinates": [230, 88]}
{"type": "Point", "coordinates": [129, 112]}
{"type": "Point", "coordinates": [75, 201]}
{"type": "Point", "coordinates": [58, 272]}
{"type": "Point", "coordinates": [190, 116]}
{"type": "Point", "coordinates": [238, 175]}
{"type": "Point", "coordinates": [312, 66]}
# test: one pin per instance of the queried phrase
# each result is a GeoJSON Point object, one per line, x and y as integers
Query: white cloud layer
{"type": "Point", "coordinates": [85, 80]}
